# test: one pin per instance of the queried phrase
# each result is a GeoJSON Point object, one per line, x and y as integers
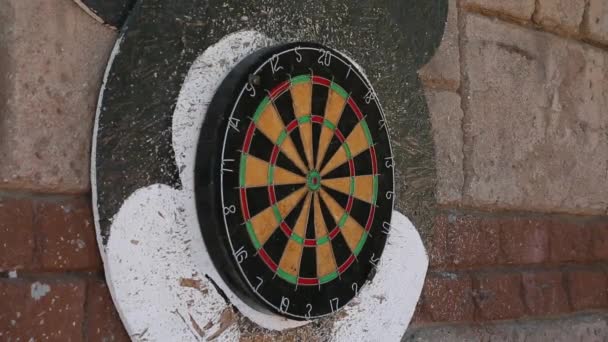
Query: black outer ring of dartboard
{"type": "Point", "coordinates": [207, 181]}
{"type": "Point", "coordinates": [208, 187]}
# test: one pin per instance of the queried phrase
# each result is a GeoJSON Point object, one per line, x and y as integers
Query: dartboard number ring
{"type": "Point", "coordinates": [294, 192]}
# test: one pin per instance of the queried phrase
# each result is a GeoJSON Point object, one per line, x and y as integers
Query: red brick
{"type": "Point", "coordinates": [588, 289]}
{"type": "Point", "coordinates": [67, 235]}
{"type": "Point", "coordinates": [41, 310]}
{"type": "Point", "coordinates": [544, 293]}
{"type": "Point", "coordinates": [16, 234]}
{"type": "Point", "coordinates": [473, 241]}
{"type": "Point", "coordinates": [438, 246]}
{"type": "Point", "coordinates": [448, 297]}
{"type": "Point", "coordinates": [600, 241]}
{"type": "Point", "coordinates": [103, 322]}
{"type": "Point", "coordinates": [524, 241]}
{"type": "Point", "coordinates": [420, 316]}
{"type": "Point", "coordinates": [570, 242]}
{"type": "Point", "coordinates": [498, 296]}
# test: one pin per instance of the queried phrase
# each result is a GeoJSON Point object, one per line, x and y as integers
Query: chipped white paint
{"type": "Point", "coordinates": [39, 290]}
{"type": "Point", "coordinates": [157, 265]}
{"type": "Point", "coordinates": [384, 308]}
{"type": "Point", "coordinates": [159, 290]}
{"type": "Point", "coordinates": [204, 77]}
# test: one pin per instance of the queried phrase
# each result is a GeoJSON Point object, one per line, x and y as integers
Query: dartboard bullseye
{"type": "Point", "coordinates": [294, 180]}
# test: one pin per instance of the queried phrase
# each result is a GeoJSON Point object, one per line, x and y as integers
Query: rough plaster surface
{"type": "Point", "coordinates": [596, 25]}
{"type": "Point", "coordinates": [52, 57]}
{"type": "Point", "coordinates": [535, 120]}
{"type": "Point", "coordinates": [443, 70]}
{"type": "Point", "coordinates": [446, 118]}
{"type": "Point", "coordinates": [589, 328]}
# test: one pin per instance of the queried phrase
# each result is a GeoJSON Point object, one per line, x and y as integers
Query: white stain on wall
{"type": "Point", "coordinates": [39, 290]}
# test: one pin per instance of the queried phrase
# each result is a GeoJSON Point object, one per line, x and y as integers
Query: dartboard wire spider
{"type": "Point", "coordinates": [363, 147]}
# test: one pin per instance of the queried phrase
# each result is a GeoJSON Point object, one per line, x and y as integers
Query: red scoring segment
{"type": "Point", "coordinates": [276, 92]}
{"type": "Point", "coordinates": [308, 281]}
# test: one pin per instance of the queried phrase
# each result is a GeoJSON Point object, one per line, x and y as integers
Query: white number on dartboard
{"type": "Point", "coordinates": [369, 97]}
{"type": "Point", "coordinates": [229, 210]}
{"type": "Point", "coordinates": [389, 162]}
{"type": "Point", "coordinates": [374, 260]}
{"type": "Point", "coordinates": [224, 162]}
{"type": "Point", "coordinates": [325, 58]}
{"type": "Point", "coordinates": [350, 67]}
{"type": "Point", "coordinates": [259, 284]}
{"type": "Point", "coordinates": [251, 89]}
{"type": "Point", "coordinates": [386, 227]}
{"type": "Point", "coordinates": [234, 124]}
{"type": "Point", "coordinates": [284, 304]}
{"type": "Point", "coordinates": [308, 310]}
{"type": "Point", "coordinates": [389, 194]}
{"type": "Point", "coordinates": [298, 55]}
{"type": "Point", "coordinates": [355, 288]}
{"type": "Point", "coordinates": [274, 64]}
{"type": "Point", "coordinates": [333, 303]}
{"type": "Point", "coordinates": [241, 255]}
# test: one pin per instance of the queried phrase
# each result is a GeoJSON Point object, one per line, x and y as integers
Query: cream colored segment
{"type": "Point", "coordinates": [351, 230]}
{"type": "Point", "coordinates": [301, 94]}
{"type": "Point", "coordinates": [334, 107]}
{"type": "Point", "coordinates": [341, 184]}
{"type": "Point", "coordinates": [324, 140]}
{"type": "Point", "coordinates": [333, 111]}
{"type": "Point", "coordinates": [364, 186]}
{"type": "Point", "coordinates": [339, 158]}
{"type": "Point", "coordinates": [282, 176]}
{"type": "Point", "coordinates": [256, 174]}
{"type": "Point", "coordinates": [290, 260]}
{"type": "Point", "coordinates": [302, 222]}
{"type": "Point", "coordinates": [326, 262]}
{"type": "Point", "coordinates": [357, 143]}
{"type": "Point", "coordinates": [292, 153]}
{"type": "Point", "coordinates": [265, 223]}
{"type": "Point", "coordinates": [306, 134]}
{"type": "Point", "coordinates": [320, 226]}
{"type": "Point", "coordinates": [271, 125]}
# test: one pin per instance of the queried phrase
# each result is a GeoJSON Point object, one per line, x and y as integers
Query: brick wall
{"type": "Point", "coordinates": [51, 276]}
{"type": "Point", "coordinates": [518, 96]}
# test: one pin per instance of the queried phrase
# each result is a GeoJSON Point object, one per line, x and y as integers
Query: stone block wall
{"type": "Point", "coordinates": [518, 94]}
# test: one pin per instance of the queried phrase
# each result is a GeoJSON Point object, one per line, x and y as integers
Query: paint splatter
{"type": "Point", "coordinates": [39, 290]}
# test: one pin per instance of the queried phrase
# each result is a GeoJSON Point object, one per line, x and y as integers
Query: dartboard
{"type": "Point", "coordinates": [294, 180]}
